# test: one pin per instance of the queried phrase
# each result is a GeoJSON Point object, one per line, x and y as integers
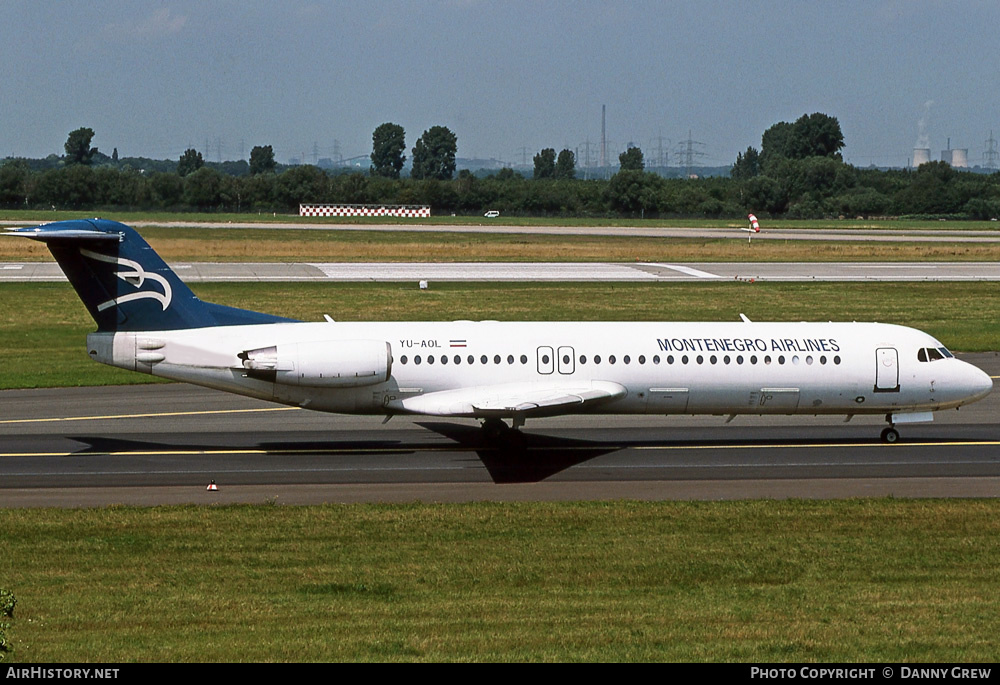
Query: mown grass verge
{"type": "Point", "coordinates": [292, 245]}
{"type": "Point", "coordinates": [43, 326]}
{"type": "Point", "coordinates": [865, 580]}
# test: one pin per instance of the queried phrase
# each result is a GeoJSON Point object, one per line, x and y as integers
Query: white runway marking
{"type": "Point", "coordinates": [684, 270]}
{"type": "Point", "coordinates": [476, 271]}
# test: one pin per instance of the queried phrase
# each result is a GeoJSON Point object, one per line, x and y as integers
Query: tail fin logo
{"type": "Point", "coordinates": [133, 274]}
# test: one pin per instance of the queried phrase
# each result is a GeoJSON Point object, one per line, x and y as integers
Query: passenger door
{"type": "Point", "coordinates": [886, 370]}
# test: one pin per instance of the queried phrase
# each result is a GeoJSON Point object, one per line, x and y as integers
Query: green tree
{"type": "Point", "coordinates": [634, 191]}
{"type": "Point", "coordinates": [933, 189]}
{"type": "Point", "coordinates": [70, 187]}
{"type": "Point", "coordinates": [816, 135]}
{"type": "Point", "coordinates": [14, 179]}
{"type": "Point", "coordinates": [566, 166]}
{"type": "Point", "coordinates": [301, 184]}
{"type": "Point", "coordinates": [388, 145]}
{"type": "Point", "coordinates": [631, 159]}
{"type": "Point", "coordinates": [508, 174]}
{"type": "Point", "coordinates": [262, 160]}
{"type": "Point", "coordinates": [78, 150]}
{"type": "Point", "coordinates": [258, 191]}
{"type": "Point", "coordinates": [747, 165]}
{"type": "Point", "coordinates": [189, 162]}
{"type": "Point", "coordinates": [434, 154]}
{"type": "Point", "coordinates": [545, 164]}
{"type": "Point", "coordinates": [764, 194]}
{"type": "Point", "coordinates": [203, 188]}
{"type": "Point", "coordinates": [167, 189]}
{"type": "Point", "coordinates": [351, 188]}
{"type": "Point", "coordinates": [812, 135]}
{"type": "Point", "coordinates": [774, 145]}
{"type": "Point", "coordinates": [863, 202]}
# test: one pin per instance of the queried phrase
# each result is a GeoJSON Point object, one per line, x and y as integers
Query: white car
{"type": "Point", "coordinates": [492, 214]}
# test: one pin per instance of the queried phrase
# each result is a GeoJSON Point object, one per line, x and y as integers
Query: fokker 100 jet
{"type": "Point", "coordinates": [149, 321]}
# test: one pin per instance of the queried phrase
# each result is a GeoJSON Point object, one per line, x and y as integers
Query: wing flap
{"type": "Point", "coordinates": [515, 399]}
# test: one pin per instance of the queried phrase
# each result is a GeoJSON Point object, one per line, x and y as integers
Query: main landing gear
{"type": "Point", "coordinates": [496, 432]}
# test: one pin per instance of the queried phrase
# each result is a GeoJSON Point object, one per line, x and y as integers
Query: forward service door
{"type": "Point", "coordinates": [886, 370]}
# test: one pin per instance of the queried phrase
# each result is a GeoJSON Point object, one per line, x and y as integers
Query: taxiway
{"type": "Point", "coordinates": [163, 443]}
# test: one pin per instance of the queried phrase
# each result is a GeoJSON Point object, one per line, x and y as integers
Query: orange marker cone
{"type": "Point", "coordinates": [212, 486]}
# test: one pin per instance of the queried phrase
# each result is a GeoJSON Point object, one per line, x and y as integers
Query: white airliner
{"type": "Point", "coordinates": [149, 321]}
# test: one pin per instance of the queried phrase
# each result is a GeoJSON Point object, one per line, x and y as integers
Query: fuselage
{"type": "Point", "coordinates": [652, 368]}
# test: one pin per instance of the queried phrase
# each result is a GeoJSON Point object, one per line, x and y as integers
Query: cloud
{"type": "Point", "coordinates": [159, 24]}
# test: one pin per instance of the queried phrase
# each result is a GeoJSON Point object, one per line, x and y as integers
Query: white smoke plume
{"type": "Point", "coordinates": [922, 140]}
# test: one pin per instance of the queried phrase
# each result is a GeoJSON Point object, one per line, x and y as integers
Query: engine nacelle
{"type": "Point", "coordinates": [321, 364]}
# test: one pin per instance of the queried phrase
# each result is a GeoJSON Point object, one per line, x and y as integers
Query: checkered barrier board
{"type": "Point", "coordinates": [406, 211]}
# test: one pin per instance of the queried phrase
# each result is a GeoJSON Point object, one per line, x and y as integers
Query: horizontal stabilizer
{"type": "Point", "coordinates": [59, 232]}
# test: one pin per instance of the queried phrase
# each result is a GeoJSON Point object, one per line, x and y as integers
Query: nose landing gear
{"type": "Point", "coordinates": [890, 435]}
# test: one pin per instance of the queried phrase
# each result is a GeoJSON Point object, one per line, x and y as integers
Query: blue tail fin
{"type": "Point", "coordinates": [125, 285]}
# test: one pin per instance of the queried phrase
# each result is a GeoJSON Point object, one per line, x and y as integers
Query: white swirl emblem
{"type": "Point", "coordinates": [136, 277]}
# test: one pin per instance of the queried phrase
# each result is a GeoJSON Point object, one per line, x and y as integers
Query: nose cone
{"type": "Point", "coordinates": [976, 383]}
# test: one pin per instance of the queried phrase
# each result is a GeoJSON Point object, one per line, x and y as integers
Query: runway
{"type": "Point", "coordinates": [486, 226]}
{"type": "Point", "coordinates": [195, 272]}
{"type": "Point", "coordinates": [891, 235]}
{"type": "Point", "coordinates": [160, 444]}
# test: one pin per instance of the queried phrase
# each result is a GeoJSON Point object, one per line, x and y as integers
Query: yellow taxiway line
{"type": "Point", "coordinates": [147, 416]}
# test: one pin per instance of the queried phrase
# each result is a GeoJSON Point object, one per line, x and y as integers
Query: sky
{"type": "Point", "coordinates": [508, 77]}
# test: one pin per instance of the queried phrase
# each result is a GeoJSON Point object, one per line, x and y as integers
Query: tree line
{"type": "Point", "coordinates": [798, 172]}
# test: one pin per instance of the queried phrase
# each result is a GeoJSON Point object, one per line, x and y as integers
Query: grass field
{"type": "Point", "coordinates": [43, 326]}
{"type": "Point", "coordinates": [793, 581]}
{"type": "Point", "coordinates": [262, 245]}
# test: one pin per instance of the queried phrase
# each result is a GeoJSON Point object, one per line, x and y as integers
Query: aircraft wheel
{"type": "Point", "coordinates": [513, 440]}
{"type": "Point", "coordinates": [890, 435]}
{"type": "Point", "coordinates": [494, 430]}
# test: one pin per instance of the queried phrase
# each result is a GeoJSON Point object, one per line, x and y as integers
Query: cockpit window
{"type": "Point", "coordinates": [932, 354]}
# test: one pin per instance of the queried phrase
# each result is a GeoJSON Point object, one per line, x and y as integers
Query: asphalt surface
{"type": "Point", "coordinates": [956, 235]}
{"type": "Point", "coordinates": [488, 226]}
{"type": "Point", "coordinates": [556, 271]}
{"type": "Point", "coordinates": [163, 444]}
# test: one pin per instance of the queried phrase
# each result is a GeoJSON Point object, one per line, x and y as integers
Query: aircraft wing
{"type": "Point", "coordinates": [513, 399]}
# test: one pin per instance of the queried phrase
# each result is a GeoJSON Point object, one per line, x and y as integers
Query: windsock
{"type": "Point", "coordinates": [753, 223]}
